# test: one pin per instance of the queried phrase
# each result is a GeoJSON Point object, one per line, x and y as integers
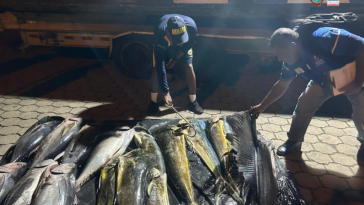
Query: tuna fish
{"type": "Point", "coordinates": [57, 186]}
{"type": "Point", "coordinates": [31, 139]}
{"type": "Point", "coordinates": [81, 146]}
{"type": "Point", "coordinates": [116, 143]}
{"type": "Point", "coordinates": [10, 174]}
{"type": "Point", "coordinates": [23, 190]}
{"type": "Point", "coordinates": [58, 139]}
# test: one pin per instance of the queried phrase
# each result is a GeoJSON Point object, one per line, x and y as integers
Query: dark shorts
{"type": "Point", "coordinates": [186, 58]}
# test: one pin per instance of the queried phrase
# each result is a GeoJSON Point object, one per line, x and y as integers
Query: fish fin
{"type": "Point", "coordinates": [243, 146]}
{"type": "Point", "coordinates": [33, 151]}
{"type": "Point", "coordinates": [59, 156]}
{"type": "Point", "coordinates": [76, 202]}
{"type": "Point", "coordinates": [8, 154]}
{"type": "Point", "coordinates": [150, 187]}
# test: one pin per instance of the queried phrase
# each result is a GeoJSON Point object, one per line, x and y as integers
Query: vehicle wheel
{"type": "Point", "coordinates": [133, 56]}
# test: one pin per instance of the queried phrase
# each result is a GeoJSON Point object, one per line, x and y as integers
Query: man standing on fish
{"type": "Point", "coordinates": [333, 49]}
{"type": "Point", "coordinates": [174, 36]}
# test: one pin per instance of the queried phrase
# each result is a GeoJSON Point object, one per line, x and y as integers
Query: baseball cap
{"type": "Point", "coordinates": [177, 28]}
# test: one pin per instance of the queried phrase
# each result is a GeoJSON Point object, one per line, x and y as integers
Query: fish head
{"type": "Point", "coordinates": [143, 139]}
{"type": "Point", "coordinates": [45, 163]}
{"type": "Point", "coordinates": [66, 168]}
{"type": "Point", "coordinates": [11, 167]}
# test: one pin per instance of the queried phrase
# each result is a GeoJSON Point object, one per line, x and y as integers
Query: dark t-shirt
{"type": "Point", "coordinates": [343, 45]}
{"type": "Point", "coordinates": [162, 42]}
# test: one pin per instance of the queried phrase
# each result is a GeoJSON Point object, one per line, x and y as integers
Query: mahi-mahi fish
{"type": "Point", "coordinates": [173, 147]}
{"type": "Point", "coordinates": [113, 145]}
{"type": "Point", "coordinates": [156, 176]}
{"type": "Point", "coordinates": [58, 139]}
{"type": "Point", "coordinates": [23, 190]}
{"type": "Point", "coordinates": [31, 139]}
{"type": "Point", "coordinates": [56, 186]}
{"type": "Point", "coordinates": [217, 132]}
{"type": "Point", "coordinates": [10, 174]}
{"type": "Point", "coordinates": [201, 145]}
{"type": "Point", "coordinates": [107, 185]}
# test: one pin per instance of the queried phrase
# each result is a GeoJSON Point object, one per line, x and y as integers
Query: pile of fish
{"type": "Point", "coordinates": [69, 161]}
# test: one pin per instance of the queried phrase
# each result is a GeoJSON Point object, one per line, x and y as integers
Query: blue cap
{"type": "Point", "coordinates": [177, 28]}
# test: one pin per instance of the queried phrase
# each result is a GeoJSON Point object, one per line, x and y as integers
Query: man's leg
{"type": "Point", "coordinates": [357, 103]}
{"type": "Point", "coordinates": [308, 103]}
{"type": "Point", "coordinates": [191, 82]}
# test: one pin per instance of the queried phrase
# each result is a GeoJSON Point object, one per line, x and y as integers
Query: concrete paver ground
{"type": "Point", "coordinates": [46, 82]}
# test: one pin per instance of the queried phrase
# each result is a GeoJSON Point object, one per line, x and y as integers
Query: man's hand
{"type": "Point", "coordinates": [170, 64]}
{"type": "Point", "coordinates": [257, 110]}
{"type": "Point", "coordinates": [351, 88]}
{"type": "Point", "coordinates": [168, 99]}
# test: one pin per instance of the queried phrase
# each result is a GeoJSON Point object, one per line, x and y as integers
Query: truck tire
{"type": "Point", "coordinates": [133, 56]}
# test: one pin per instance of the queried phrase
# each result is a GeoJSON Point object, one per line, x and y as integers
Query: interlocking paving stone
{"type": "Point", "coordinates": [314, 130]}
{"type": "Point", "coordinates": [310, 138]}
{"type": "Point", "coordinates": [11, 101]}
{"type": "Point", "coordinates": [334, 182]}
{"type": "Point", "coordinates": [343, 159]}
{"type": "Point", "coordinates": [10, 122]}
{"type": "Point", "coordinates": [10, 114]}
{"type": "Point", "coordinates": [60, 110]}
{"type": "Point", "coordinates": [319, 157]}
{"type": "Point", "coordinates": [271, 128]}
{"type": "Point", "coordinates": [77, 110]}
{"type": "Point", "coordinates": [278, 121]}
{"type": "Point", "coordinates": [267, 134]}
{"type": "Point", "coordinates": [11, 107]}
{"type": "Point", "coordinates": [333, 131]}
{"type": "Point", "coordinates": [307, 147]}
{"type": "Point", "coordinates": [329, 139]}
{"type": "Point", "coordinates": [318, 123]}
{"type": "Point", "coordinates": [8, 139]}
{"type": "Point", "coordinates": [323, 195]}
{"type": "Point", "coordinates": [29, 108]}
{"type": "Point", "coordinates": [28, 115]}
{"type": "Point", "coordinates": [347, 149]}
{"type": "Point", "coordinates": [334, 168]}
{"type": "Point", "coordinates": [76, 104]}
{"type": "Point", "coordinates": [350, 140]}
{"type": "Point", "coordinates": [324, 148]}
{"type": "Point", "coordinates": [44, 102]}
{"type": "Point", "coordinates": [337, 124]}
{"type": "Point", "coordinates": [313, 168]}
{"type": "Point", "coordinates": [307, 195]}
{"type": "Point", "coordinates": [292, 166]}
{"type": "Point", "coordinates": [307, 180]}
{"type": "Point", "coordinates": [4, 148]}
{"type": "Point", "coordinates": [351, 131]}
{"type": "Point", "coordinates": [10, 130]}
{"type": "Point", "coordinates": [28, 102]}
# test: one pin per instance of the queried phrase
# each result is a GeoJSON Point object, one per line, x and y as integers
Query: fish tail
{"type": "Point", "coordinates": [219, 185]}
{"type": "Point", "coordinates": [234, 193]}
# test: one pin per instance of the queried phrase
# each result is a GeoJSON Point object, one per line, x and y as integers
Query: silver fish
{"type": "Point", "coordinates": [56, 187]}
{"type": "Point", "coordinates": [9, 175]}
{"type": "Point", "coordinates": [23, 190]}
{"type": "Point", "coordinates": [103, 152]}
{"type": "Point", "coordinates": [58, 139]}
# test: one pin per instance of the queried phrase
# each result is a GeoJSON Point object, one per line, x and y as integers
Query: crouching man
{"type": "Point", "coordinates": [174, 36]}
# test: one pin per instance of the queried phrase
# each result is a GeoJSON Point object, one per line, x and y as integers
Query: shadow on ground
{"type": "Point", "coordinates": [326, 186]}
